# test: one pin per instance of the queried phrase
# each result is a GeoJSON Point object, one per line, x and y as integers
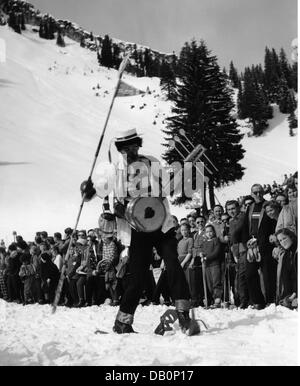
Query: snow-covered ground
{"type": "Point", "coordinates": [51, 121]}
{"type": "Point", "coordinates": [31, 335]}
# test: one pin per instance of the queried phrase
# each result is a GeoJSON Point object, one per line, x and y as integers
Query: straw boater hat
{"type": "Point", "coordinates": [126, 135]}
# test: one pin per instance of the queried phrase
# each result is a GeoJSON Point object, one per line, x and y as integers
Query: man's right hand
{"type": "Point", "coordinates": [87, 189]}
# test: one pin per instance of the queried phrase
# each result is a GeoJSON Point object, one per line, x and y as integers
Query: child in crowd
{"type": "Point", "coordinates": [185, 246]}
{"type": "Point", "coordinates": [27, 275]}
{"type": "Point", "coordinates": [211, 254]}
{"type": "Point", "coordinates": [106, 266]}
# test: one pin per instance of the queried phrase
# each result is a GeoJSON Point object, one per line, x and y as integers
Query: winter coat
{"type": "Point", "coordinates": [197, 248]}
{"type": "Point", "coordinates": [13, 263]}
{"type": "Point", "coordinates": [287, 275]}
{"type": "Point", "coordinates": [49, 271]}
{"type": "Point", "coordinates": [266, 227]}
{"type": "Point", "coordinates": [26, 271]}
{"type": "Point", "coordinates": [212, 250]}
{"type": "Point", "coordinates": [73, 261]}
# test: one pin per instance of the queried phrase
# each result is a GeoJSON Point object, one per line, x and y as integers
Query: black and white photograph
{"type": "Point", "coordinates": [149, 185]}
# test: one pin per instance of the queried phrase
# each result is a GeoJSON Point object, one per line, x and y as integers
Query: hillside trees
{"type": "Point", "coordinates": [202, 107]}
{"type": "Point", "coordinates": [106, 58]}
{"type": "Point", "coordinates": [167, 78]}
{"type": "Point", "coordinates": [233, 75]}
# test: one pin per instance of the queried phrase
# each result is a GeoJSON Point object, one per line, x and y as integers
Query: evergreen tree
{"type": "Point", "coordinates": [240, 103]}
{"type": "Point", "coordinates": [202, 107]}
{"type": "Point", "coordinates": [23, 27]}
{"type": "Point", "coordinates": [255, 105]}
{"type": "Point", "coordinates": [294, 76]}
{"type": "Point", "coordinates": [167, 79]}
{"type": "Point", "coordinates": [116, 56]}
{"type": "Point", "coordinates": [42, 30]}
{"type": "Point", "coordinates": [284, 97]}
{"type": "Point", "coordinates": [148, 63]}
{"type": "Point", "coordinates": [106, 52]}
{"type": "Point", "coordinates": [272, 75]}
{"type": "Point", "coordinates": [141, 64]}
{"type": "Point", "coordinates": [60, 40]}
{"type": "Point", "coordinates": [82, 41]}
{"type": "Point", "coordinates": [233, 75]}
{"type": "Point", "coordinates": [285, 68]}
{"type": "Point", "coordinates": [293, 122]}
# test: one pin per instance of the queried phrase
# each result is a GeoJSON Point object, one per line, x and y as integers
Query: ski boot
{"type": "Point", "coordinates": [123, 323]}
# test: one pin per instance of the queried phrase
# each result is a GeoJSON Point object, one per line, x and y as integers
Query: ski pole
{"type": "Point", "coordinates": [61, 279]}
{"type": "Point", "coordinates": [204, 284]}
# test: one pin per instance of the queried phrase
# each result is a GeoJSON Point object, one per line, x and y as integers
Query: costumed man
{"type": "Point", "coordinates": [122, 180]}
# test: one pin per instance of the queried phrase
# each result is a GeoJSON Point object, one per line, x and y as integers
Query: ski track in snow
{"type": "Point", "coordinates": [31, 335]}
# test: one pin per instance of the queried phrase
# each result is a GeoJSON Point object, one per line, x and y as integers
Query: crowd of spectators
{"type": "Point", "coordinates": [243, 254]}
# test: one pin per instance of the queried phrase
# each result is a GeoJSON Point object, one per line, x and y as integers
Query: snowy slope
{"type": "Point", "coordinates": [51, 121]}
{"type": "Point", "coordinates": [50, 124]}
{"type": "Point", "coordinates": [31, 335]}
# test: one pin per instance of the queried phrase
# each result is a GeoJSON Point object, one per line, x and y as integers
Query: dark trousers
{"type": "Point", "coordinates": [214, 281]}
{"type": "Point", "coordinates": [149, 286]}
{"type": "Point", "coordinates": [14, 287]}
{"type": "Point", "coordinates": [269, 270]}
{"type": "Point", "coordinates": [253, 283]}
{"type": "Point", "coordinates": [37, 290]}
{"type": "Point", "coordinates": [230, 283]}
{"type": "Point", "coordinates": [195, 281]}
{"type": "Point", "coordinates": [162, 288]}
{"type": "Point", "coordinates": [71, 292]}
{"type": "Point", "coordinates": [49, 289]}
{"type": "Point", "coordinates": [28, 288]}
{"type": "Point", "coordinates": [140, 258]}
{"type": "Point", "coordinates": [92, 289]}
{"type": "Point", "coordinates": [241, 284]}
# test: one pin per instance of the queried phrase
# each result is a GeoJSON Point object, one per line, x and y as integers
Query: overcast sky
{"type": "Point", "coordinates": [237, 30]}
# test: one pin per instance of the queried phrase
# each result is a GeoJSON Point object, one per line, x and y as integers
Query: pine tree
{"type": "Point", "coordinates": [284, 97]}
{"type": "Point", "coordinates": [233, 75]}
{"type": "Point", "coordinates": [285, 68]}
{"type": "Point", "coordinates": [167, 79]}
{"type": "Point", "coordinates": [148, 63]}
{"type": "Point", "coordinates": [141, 64]}
{"type": "Point", "coordinates": [106, 52]}
{"type": "Point", "coordinates": [23, 27]}
{"type": "Point", "coordinates": [42, 31]}
{"type": "Point", "coordinates": [272, 75]}
{"type": "Point", "coordinates": [240, 102]}
{"type": "Point", "coordinates": [82, 41]}
{"type": "Point", "coordinates": [116, 56]}
{"type": "Point", "coordinates": [202, 107]}
{"type": "Point", "coordinates": [255, 105]}
{"type": "Point", "coordinates": [293, 122]}
{"type": "Point", "coordinates": [294, 76]}
{"type": "Point", "coordinates": [60, 40]}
